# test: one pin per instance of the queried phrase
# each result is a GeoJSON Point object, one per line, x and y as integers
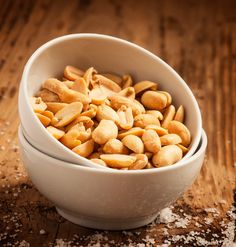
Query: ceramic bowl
{"type": "Point", "coordinates": [109, 199]}
{"type": "Point", "coordinates": [106, 54]}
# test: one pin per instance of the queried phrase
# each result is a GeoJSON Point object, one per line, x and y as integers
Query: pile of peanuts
{"type": "Point", "coordinates": [111, 121]}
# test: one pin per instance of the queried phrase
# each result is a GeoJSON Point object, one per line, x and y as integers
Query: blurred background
{"type": "Point", "coordinates": [197, 38]}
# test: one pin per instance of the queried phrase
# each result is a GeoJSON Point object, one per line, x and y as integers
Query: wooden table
{"type": "Point", "coordinates": [198, 39]}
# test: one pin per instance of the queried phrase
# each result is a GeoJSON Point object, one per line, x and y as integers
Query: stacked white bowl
{"type": "Point", "coordinates": [86, 193]}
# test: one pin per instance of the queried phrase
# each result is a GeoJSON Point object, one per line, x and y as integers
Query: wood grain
{"type": "Point", "coordinates": [197, 38]}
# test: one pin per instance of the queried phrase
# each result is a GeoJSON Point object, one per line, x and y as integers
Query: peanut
{"type": "Point", "coordinates": [105, 131]}
{"type": "Point", "coordinates": [54, 107]}
{"type": "Point", "coordinates": [99, 161]}
{"type": "Point", "coordinates": [37, 104]}
{"type": "Point", "coordinates": [170, 139]}
{"type": "Point", "coordinates": [133, 143]}
{"type": "Point", "coordinates": [154, 100]}
{"type": "Point", "coordinates": [144, 85]}
{"type": "Point", "coordinates": [55, 132]}
{"type": "Point", "coordinates": [128, 93]}
{"type": "Point", "coordinates": [84, 149]}
{"type": "Point", "coordinates": [72, 73]}
{"type": "Point", "coordinates": [104, 81]}
{"type": "Point", "coordinates": [88, 76]}
{"type": "Point", "coordinates": [80, 86]}
{"type": "Point", "coordinates": [160, 131]}
{"type": "Point", "coordinates": [168, 155]}
{"type": "Point", "coordinates": [115, 146]}
{"type": "Point", "coordinates": [118, 160]}
{"type": "Point", "coordinates": [126, 119]}
{"type": "Point", "coordinates": [127, 81]}
{"type": "Point", "coordinates": [168, 97]}
{"type": "Point", "coordinates": [134, 131]}
{"type": "Point", "coordinates": [69, 84]}
{"type": "Point", "coordinates": [91, 112]}
{"type": "Point", "coordinates": [155, 113]}
{"type": "Point", "coordinates": [140, 163]}
{"type": "Point", "coordinates": [106, 112]}
{"type": "Point", "coordinates": [143, 120]}
{"type": "Point", "coordinates": [151, 141]}
{"type": "Point", "coordinates": [181, 130]}
{"type": "Point", "coordinates": [43, 119]}
{"type": "Point", "coordinates": [117, 79]}
{"type": "Point", "coordinates": [48, 96]}
{"type": "Point", "coordinates": [168, 116]}
{"type": "Point", "coordinates": [179, 116]}
{"type": "Point", "coordinates": [183, 148]}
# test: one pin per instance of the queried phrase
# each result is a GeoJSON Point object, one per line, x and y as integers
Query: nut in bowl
{"type": "Point", "coordinates": [115, 111]}
{"type": "Point", "coordinates": [109, 199]}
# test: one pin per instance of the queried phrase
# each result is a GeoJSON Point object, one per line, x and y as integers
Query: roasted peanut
{"type": "Point", "coordinates": [170, 139]}
{"type": "Point", "coordinates": [84, 149]}
{"type": "Point", "coordinates": [54, 107]}
{"type": "Point", "coordinates": [117, 101]}
{"type": "Point", "coordinates": [67, 114]}
{"type": "Point", "coordinates": [179, 116]}
{"type": "Point", "coordinates": [128, 93]}
{"type": "Point", "coordinates": [65, 94]}
{"type": "Point", "coordinates": [97, 95]}
{"type": "Point", "coordinates": [105, 131]}
{"type": "Point", "coordinates": [155, 113]}
{"type": "Point", "coordinates": [48, 114]}
{"type": "Point", "coordinates": [151, 141]}
{"type": "Point", "coordinates": [37, 104]}
{"type": "Point", "coordinates": [127, 81]}
{"type": "Point", "coordinates": [72, 73]}
{"type": "Point", "coordinates": [118, 160]}
{"type": "Point", "coordinates": [183, 148]}
{"type": "Point", "coordinates": [69, 84]}
{"type": "Point", "coordinates": [91, 112]}
{"type": "Point", "coordinates": [104, 81]}
{"type": "Point", "coordinates": [176, 127]}
{"type": "Point", "coordinates": [80, 86]}
{"type": "Point", "coordinates": [168, 116]}
{"type": "Point", "coordinates": [115, 146]}
{"type": "Point", "coordinates": [117, 79]}
{"type": "Point", "coordinates": [143, 120]}
{"type": "Point", "coordinates": [167, 155]}
{"type": "Point", "coordinates": [160, 131]}
{"type": "Point", "coordinates": [134, 131]}
{"type": "Point", "coordinates": [106, 112]}
{"type": "Point", "coordinates": [86, 121]}
{"type": "Point", "coordinates": [154, 100]}
{"type": "Point", "coordinates": [55, 132]}
{"type": "Point", "coordinates": [144, 85]}
{"type": "Point", "coordinates": [88, 76]}
{"type": "Point", "coordinates": [168, 97]}
{"type": "Point", "coordinates": [99, 162]}
{"type": "Point", "coordinates": [48, 96]}
{"type": "Point", "coordinates": [126, 119]}
{"type": "Point", "coordinates": [133, 143]}
{"type": "Point", "coordinates": [43, 119]}
{"type": "Point", "coordinates": [140, 163]}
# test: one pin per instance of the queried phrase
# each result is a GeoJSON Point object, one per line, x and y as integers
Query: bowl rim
{"type": "Point", "coordinates": [123, 42]}
{"type": "Point", "coordinates": [182, 163]}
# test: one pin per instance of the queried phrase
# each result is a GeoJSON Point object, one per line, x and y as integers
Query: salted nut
{"type": "Point", "coordinates": [37, 104]}
{"type": "Point", "coordinates": [109, 120]}
{"type": "Point", "coordinates": [80, 86]}
{"type": "Point", "coordinates": [115, 146]}
{"type": "Point", "coordinates": [140, 163]}
{"type": "Point", "coordinates": [144, 85]}
{"type": "Point", "coordinates": [128, 93]}
{"type": "Point", "coordinates": [48, 96]}
{"type": "Point", "coordinates": [151, 141]}
{"type": "Point", "coordinates": [56, 133]}
{"type": "Point", "coordinates": [118, 160]}
{"type": "Point", "coordinates": [134, 131]}
{"type": "Point", "coordinates": [105, 131]}
{"type": "Point", "coordinates": [106, 112]}
{"type": "Point", "coordinates": [84, 149]}
{"type": "Point", "coordinates": [67, 114]}
{"type": "Point", "coordinates": [179, 116]}
{"type": "Point", "coordinates": [117, 101]}
{"type": "Point", "coordinates": [181, 130]}
{"type": "Point", "coordinates": [72, 73]}
{"type": "Point", "coordinates": [65, 94]}
{"type": "Point", "coordinates": [55, 106]}
{"type": "Point", "coordinates": [126, 119]}
{"type": "Point", "coordinates": [154, 100]}
{"type": "Point", "coordinates": [133, 143]}
{"type": "Point", "coordinates": [168, 155]}
{"type": "Point", "coordinates": [168, 116]}
{"type": "Point", "coordinates": [143, 120]}
{"type": "Point", "coordinates": [160, 131]}
{"type": "Point", "coordinates": [170, 139]}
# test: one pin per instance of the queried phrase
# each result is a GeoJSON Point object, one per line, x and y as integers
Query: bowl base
{"type": "Point", "coordinates": [106, 224]}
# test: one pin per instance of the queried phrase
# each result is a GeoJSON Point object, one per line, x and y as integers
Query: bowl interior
{"type": "Point", "coordinates": [108, 54]}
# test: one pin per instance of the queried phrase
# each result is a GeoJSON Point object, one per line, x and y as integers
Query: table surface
{"type": "Point", "coordinates": [198, 39]}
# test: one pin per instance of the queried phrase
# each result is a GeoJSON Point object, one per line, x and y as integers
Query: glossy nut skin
{"type": "Point", "coordinates": [105, 131]}
{"type": "Point", "coordinates": [167, 155]}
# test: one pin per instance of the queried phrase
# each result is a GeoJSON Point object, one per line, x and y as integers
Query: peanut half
{"type": "Point", "coordinates": [168, 116]}
{"type": "Point", "coordinates": [140, 163]}
{"type": "Point", "coordinates": [106, 112]}
{"type": "Point", "coordinates": [37, 104]}
{"type": "Point", "coordinates": [151, 141]}
{"type": "Point", "coordinates": [48, 96]}
{"type": "Point", "coordinates": [72, 73]}
{"type": "Point", "coordinates": [154, 100]}
{"type": "Point", "coordinates": [54, 107]}
{"type": "Point", "coordinates": [143, 120]}
{"type": "Point", "coordinates": [118, 160]}
{"type": "Point", "coordinates": [133, 143]}
{"type": "Point", "coordinates": [126, 119]}
{"type": "Point", "coordinates": [145, 85]}
{"type": "Point", "coordinates": [115, 146]}
{"type": "Point", "coordinates": [179, 116]}
{"type": "Point", "coordinates": [170, 139]}
{"type": "Point", "coordinates": [134, 131]}
{"type": "Point", "coordinates": [168, 155]}
{"type": "Point", "coordinates": [181, 130]}
{"type": "Point", "coordinates": [55, 132]}
{"type": "Point", "coordinates": [84, 149]}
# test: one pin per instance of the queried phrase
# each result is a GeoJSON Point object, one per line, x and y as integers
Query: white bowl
{"type": "Point", "coordinates": [106, 54]}
{"type": "Point", "coordinates": [109, 199]}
